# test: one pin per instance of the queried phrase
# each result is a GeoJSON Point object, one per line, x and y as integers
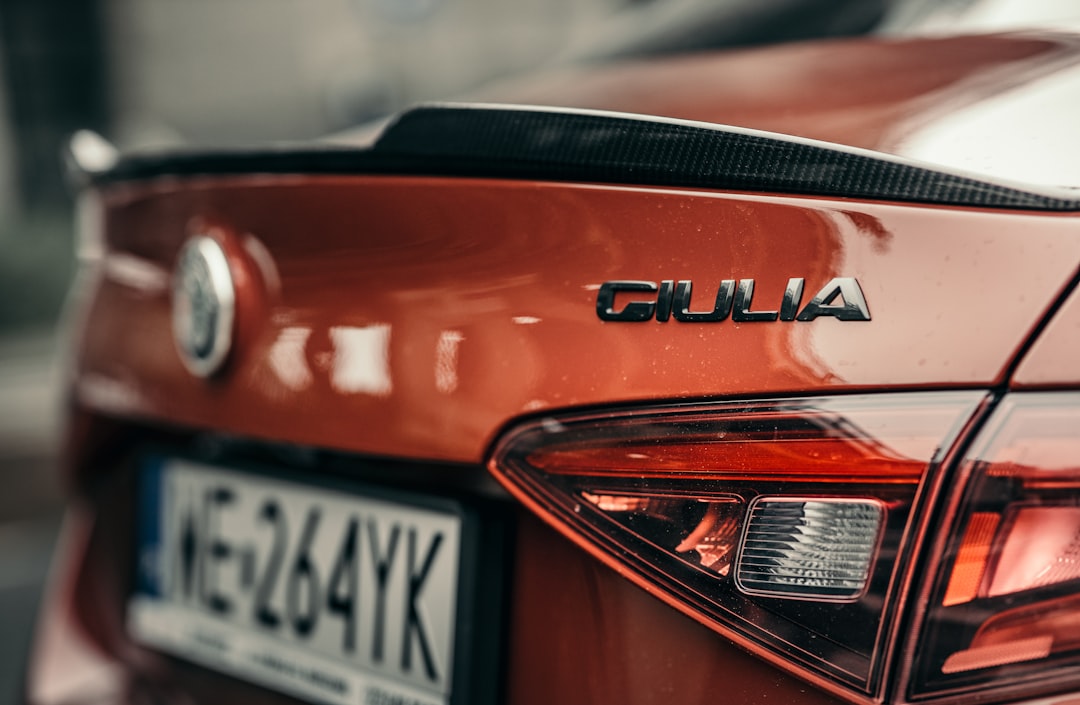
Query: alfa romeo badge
{"type": "Point", "coordinates": [203, 307]}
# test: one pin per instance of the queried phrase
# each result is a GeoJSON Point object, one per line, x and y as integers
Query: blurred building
{"type": "Point", "coordinates": [151, 73]}
{"type": "Point", "coordinates": [244, 71]}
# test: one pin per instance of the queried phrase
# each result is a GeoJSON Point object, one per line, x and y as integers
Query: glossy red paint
{"type": "Point", "coordinates": [1053, 359]}
{"type": "Point", "coordinates": [416, 317]}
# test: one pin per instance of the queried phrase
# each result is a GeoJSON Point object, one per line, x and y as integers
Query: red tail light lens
{"type": "Point", "coordinates": [784, 524]}
{"type": "Point", "coordinates": [1004, 611]}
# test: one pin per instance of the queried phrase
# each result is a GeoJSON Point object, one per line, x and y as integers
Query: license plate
{"type": "Point", "coordinates": [334, 597]}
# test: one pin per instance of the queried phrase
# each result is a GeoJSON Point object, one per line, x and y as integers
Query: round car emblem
{"type": "Point", "coordinates": [203, 306]}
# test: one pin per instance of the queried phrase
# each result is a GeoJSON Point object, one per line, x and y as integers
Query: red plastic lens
{"type": "Point", "coordinates": [1041, 547]}
{"type": "Point", "coordinates": [1005, 609]}
{"type": "Point", "coordinates": [784, 524]}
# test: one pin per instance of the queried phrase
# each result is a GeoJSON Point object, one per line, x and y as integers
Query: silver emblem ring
{"type": "Point", "coordinates": [204, 306]}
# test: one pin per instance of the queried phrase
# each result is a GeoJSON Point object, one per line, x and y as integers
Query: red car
{"type": "Point", "coordinates": [739, 377]}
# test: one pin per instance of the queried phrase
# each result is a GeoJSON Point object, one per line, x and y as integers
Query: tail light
{"type": "Point", "coordinates": [785, 524]}
{"type": "Point", "coordinates": [1004, 610]}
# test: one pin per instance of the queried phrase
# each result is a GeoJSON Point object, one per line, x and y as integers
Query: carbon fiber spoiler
{"type": "Point", "coordinates": [549, 144]}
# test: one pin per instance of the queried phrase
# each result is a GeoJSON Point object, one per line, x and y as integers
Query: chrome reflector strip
{"type": "Point", "coordinates": [815, 549]}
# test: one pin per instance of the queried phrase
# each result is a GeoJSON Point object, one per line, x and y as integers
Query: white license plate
{"type": "Point", "coordinates": [330, 596]}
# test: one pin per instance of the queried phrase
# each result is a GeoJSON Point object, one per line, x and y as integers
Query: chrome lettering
{"type": "Point", "coordinates": [721, 309]}
{"type": "Point", "coordinates": [842, 298]}
{"type": "Point", "coordinates": [792, 299]}
{"type": "Point", "coordinates": [743, 298]}
{"type": "Point", "coordinates": [852, 308]}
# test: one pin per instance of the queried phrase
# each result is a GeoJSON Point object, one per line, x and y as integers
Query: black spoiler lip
{"type": "Point", "coordinates": [568, 145]}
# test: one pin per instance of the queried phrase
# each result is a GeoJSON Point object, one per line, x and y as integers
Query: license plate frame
{"type": "Point", "coordinates": [476, 613]}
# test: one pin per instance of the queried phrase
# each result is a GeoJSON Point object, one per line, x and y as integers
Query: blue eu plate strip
{"type": "Point", "coordinates": [148, 527]}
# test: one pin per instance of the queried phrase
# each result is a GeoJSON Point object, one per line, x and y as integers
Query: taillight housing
{"type": "Point", "coordinates": [786, 524]}
{"type": "Point", "coordinates": [1003, 609]}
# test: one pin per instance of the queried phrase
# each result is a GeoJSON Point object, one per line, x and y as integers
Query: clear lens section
{"type": "Point", "coordinates": [784, 524]}
{"type": "Point", "coordinates": [1005, 611]}
{"type": "Point", "coordinates": [811, 549]}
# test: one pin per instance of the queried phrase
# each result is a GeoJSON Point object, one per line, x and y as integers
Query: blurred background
{"type": "Point", "coordinates": [153, 74]}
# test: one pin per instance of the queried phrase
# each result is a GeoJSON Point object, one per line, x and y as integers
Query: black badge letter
{"type": "Point", "coordinates": [743, 299]}
{"type": "Point", "coordinates": [721, 308]}
{"type": "Point", "coordinates": [853, 307]}
{"type": "Point", "coordinates": [634, 311]}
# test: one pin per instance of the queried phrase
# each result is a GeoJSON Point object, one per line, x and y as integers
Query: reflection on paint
{"type": "Point", "coordinates": [136, 273]}
{"type": "Point", "coordinates": [92, 152]}
{"type": "Point", "coordinates": [1018, 135]}
{"type": "Point", "coordinates": [985, 16]}
{"type": "Point", "coordinates": [525, 320]}
{"type": "Point", "coordinates": [265, 262]}
{"type": "Point", "coordinates": [446, 361]}
{"type": "Point", "coordinates": [108, 393]}
{"type": "Point", "coordinates": [286, 358]}
{"type": "Point", "coordinates": [361, 362]}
